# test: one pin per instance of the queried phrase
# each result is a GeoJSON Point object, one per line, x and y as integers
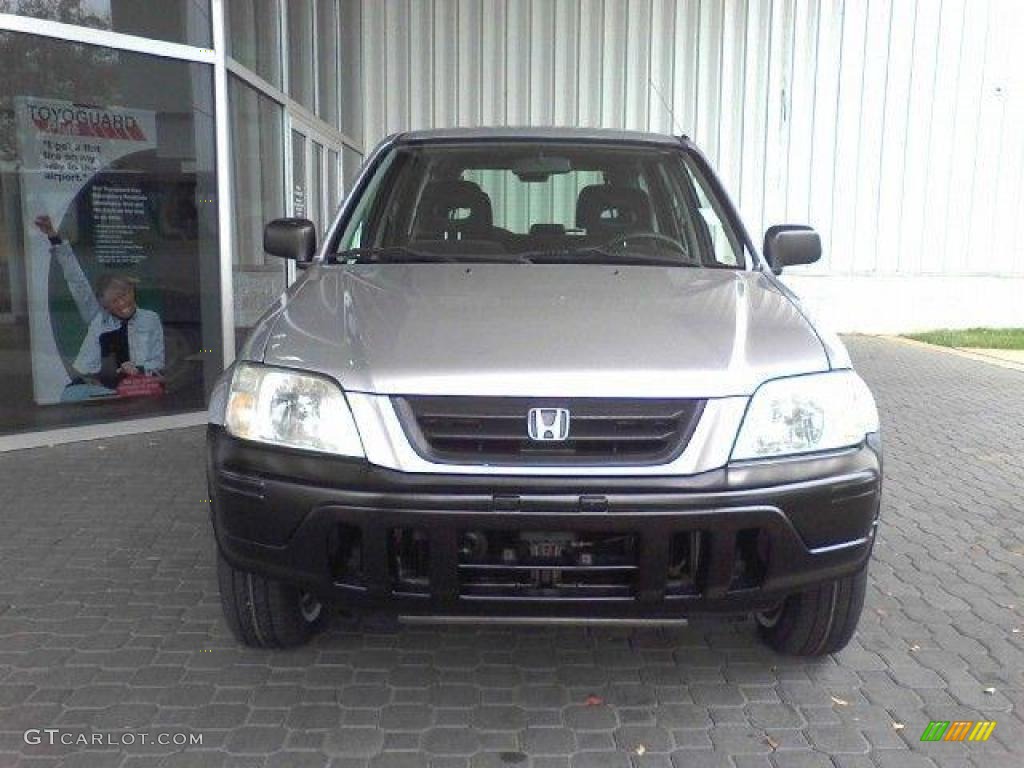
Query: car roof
{"type": "Point", "coordinates": [543, 133]}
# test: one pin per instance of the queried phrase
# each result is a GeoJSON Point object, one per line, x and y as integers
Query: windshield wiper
{"type": "Point", "coordinates": [392, 254]}
{"type": "Point", "coordinates": [598, 255]}
{"type": "Point", "coordinates": [400, 254]}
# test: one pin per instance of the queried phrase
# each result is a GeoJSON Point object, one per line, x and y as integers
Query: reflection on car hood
{"type": "Point", "coordinates": [543, 330]}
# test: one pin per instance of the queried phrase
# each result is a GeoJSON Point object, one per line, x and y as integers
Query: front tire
{"type": "Point", "coordinates": [818, 621]}
{"type": "Point", "coordinates": [266, 613]}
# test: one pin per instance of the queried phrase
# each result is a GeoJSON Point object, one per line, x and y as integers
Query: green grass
{"type": "Point", "coordinates": [985, 338]}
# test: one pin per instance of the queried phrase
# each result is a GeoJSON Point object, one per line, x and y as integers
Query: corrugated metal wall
{"type": "Point", "coordinates": [895, 127]}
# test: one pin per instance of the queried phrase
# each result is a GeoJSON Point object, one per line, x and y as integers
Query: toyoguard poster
{"type": "Point", "coordinates": [63, 146]}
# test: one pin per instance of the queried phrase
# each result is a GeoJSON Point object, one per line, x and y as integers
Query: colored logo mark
{"type": "Point", "coordinates": [958, 730]}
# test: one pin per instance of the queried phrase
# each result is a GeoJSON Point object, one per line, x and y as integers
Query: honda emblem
{"type": "Point", "coordinates": [547, 424]}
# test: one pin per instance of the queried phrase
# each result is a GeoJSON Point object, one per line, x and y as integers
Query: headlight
{"type": "Point", "coordinates": [818, 412]}
{"type": "Point", "coordinates": [298, 410]}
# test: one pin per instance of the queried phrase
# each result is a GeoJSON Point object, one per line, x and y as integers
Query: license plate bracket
{"type": "Point", "coordinates": [548, 546]}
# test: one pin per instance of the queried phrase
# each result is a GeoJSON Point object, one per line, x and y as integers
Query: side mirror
{"type": "Point", "coordinates": [789, 244]}
{"type": "Point", "coordinates": [290, 239]}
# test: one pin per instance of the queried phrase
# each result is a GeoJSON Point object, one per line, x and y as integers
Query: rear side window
{"type": "Point", "coordinates": [720, 241]}
{"type": "Point", "coordinates": [518, 205]}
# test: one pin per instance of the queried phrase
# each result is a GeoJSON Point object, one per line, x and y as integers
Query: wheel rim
{"type": "Point", "coordinates": [770, 617]}
{"type": "Point", "coordinates": [310, 607]}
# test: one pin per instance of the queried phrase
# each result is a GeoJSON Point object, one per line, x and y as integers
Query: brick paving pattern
{"type": "Point", "coordinates": [110, 623]}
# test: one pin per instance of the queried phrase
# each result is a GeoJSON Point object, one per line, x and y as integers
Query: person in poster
{"type": "Point", "coordinates": [64, 147]}
{"type": "Point", "coordinates": [123, 350]}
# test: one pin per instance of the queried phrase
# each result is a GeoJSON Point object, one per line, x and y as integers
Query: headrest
{"type": "Point", "coordinates": [607, 208]}
{"type": "Point", "coordinates": [453, 204]}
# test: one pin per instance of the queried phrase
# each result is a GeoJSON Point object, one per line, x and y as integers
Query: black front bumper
{"type": "Point", "coordinates": [752, 534]}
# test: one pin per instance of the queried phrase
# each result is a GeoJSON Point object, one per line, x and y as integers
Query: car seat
{"type": "Point", "coordinates": [453, 209]}
{"type": "Point", "coordinates": [604, 210]}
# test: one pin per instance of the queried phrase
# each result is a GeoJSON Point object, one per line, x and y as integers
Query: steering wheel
{"type": "Point", "coordinates": [621, 240]}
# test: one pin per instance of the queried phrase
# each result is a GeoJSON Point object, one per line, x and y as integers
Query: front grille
{"type": "Point", "coordinates": [484, 563]}
{"type": "Point", "coordinates": [493, 430]}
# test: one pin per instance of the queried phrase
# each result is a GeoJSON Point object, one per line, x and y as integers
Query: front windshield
{"type": "Point", "coordinates": [540, 202]}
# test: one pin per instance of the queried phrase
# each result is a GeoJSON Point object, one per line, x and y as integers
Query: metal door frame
{"type": "Point", "coordinates": [293, 124]}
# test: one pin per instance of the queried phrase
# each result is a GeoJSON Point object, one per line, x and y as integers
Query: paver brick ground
{"type": "Point", "coordinates": [110, 623]}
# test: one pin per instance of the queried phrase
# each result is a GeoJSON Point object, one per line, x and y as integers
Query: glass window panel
{"type": "Point", "coordinates": [316, 185]}
{"type": "Point", "coordinates": [108, 235]}
{"type": "Point", "coordinates": [300, 192]}
{"type": "Point", "coordinates": [351, 161]}
{"type": "Point", "coordinates": [258, 173]}
{"type": "Point", "coordinates": [351, 70]}
{"type": "Point", "coordinates": [333, 183]}
{"type": "Point", "coordinates": [724, 241]}
{"type": "Point", "coordinates": [518, 205]}
{"type": "Point", "coordinates": [300, 51]}
{"type": "Point", "coordinates": [521, 197]}
{"type": "Point", "coordinates": [327, 60]}
{"type": "Point", "coordinates": [178, 21]}
{"type": "Point", "coordinates": [356, 226]}
{"type": "Point", "coordinates": [254, 36]}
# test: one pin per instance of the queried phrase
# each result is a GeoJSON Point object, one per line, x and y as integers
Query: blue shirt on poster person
{"type": "Point", "coordinates": [122, 338]}
{"type": "Point", "coordinates": [145, 336]}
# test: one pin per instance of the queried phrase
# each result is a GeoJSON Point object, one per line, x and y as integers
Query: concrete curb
{"type": "Point", "coordinates": [991, 359]}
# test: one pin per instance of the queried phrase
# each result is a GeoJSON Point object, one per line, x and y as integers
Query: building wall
{"type": "Point", "coordinates": [892, 126]}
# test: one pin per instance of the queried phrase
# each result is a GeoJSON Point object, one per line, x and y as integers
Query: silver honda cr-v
{"type": "Point", "coordinates": [541, 374]}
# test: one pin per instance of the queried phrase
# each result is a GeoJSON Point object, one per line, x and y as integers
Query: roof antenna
{"type": "Point", "coordinates": [665, 104]}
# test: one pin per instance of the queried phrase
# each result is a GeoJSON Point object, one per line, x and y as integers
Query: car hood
{"type": "Point", "coordinates": [543, 330]}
